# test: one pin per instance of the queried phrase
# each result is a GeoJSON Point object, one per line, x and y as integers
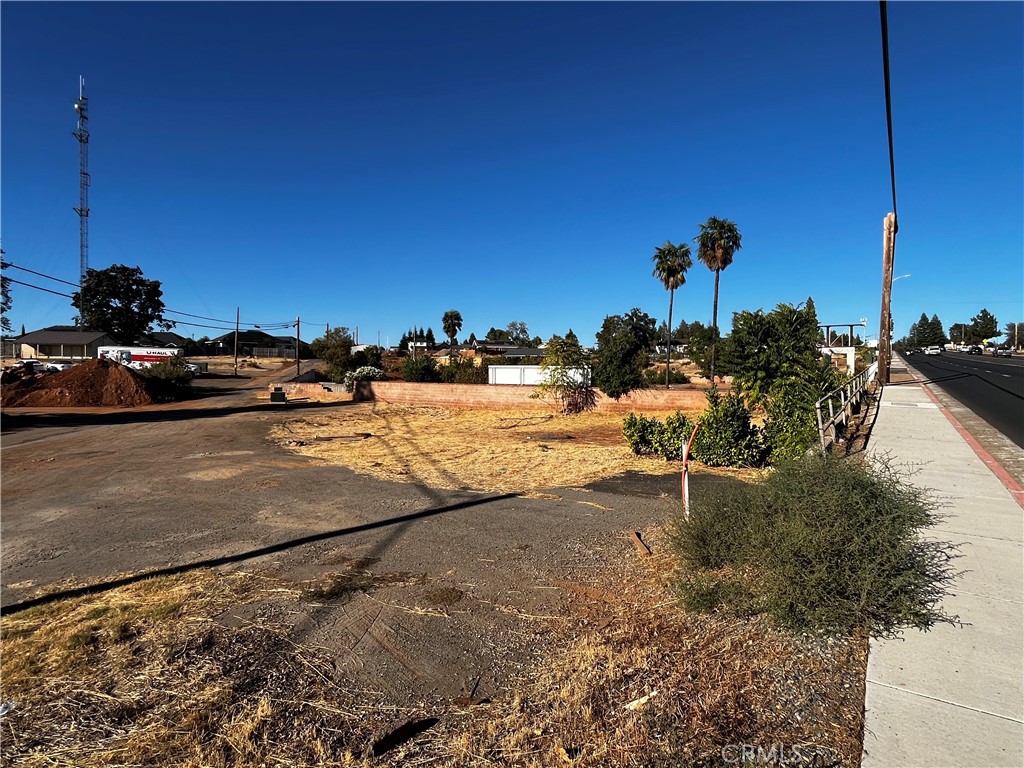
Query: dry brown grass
{"type": "Point", "coordinates": [499, 451]}
{"type": "Point", "coordinates": [146, 675]}
{"type": "Point", "coordinates": [639, 682]}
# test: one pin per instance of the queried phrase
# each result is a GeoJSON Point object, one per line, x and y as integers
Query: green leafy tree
{"type": "Point", "coordinates": [959, 332]}
{"type": "Point", "coordinates": [429, 338]}
{"type": "Point", "coordinates": [566, 375]}
{"type": "Point", "coordinates": [451, 321]}
{"type": "Point", "coordinates": [5, 296]}
{"type": "Point", "coordinates": [622, 345]}
{"type": "Point", "coordinates": [781, 344]}
{"type": "Point", "coordinates": [335, 349]}
{"type": "Point", "coordinates": [420, 369]}
{"type": "Point", "coordinates": [984, 326]}
{"type": "Point", "coordinates": [120, 301]}
{"type": "Point", "coordinates": [670, 265]}
{"type": "Point", "coordinates": [717, 243]}
{"type": "Point", "coordinates": [497, 334]}
{"type": "Point", "coordinates": [371, 356]}
{"type": "Point", "coordinates": [472, 339]}
{"type": "Point", "coordinates": [518, 333]}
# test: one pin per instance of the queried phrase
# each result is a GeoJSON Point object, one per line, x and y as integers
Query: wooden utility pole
{"type": "Point", "coordinates": [885, 323]}
{"type": "Point", "coordinates": [298, 328]}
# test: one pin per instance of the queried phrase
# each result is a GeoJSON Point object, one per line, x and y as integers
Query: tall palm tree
{"type": "Point", "coordinates": [670, 265]}
{"type": "Point", "coordinates": [451, 321]}
{"type": "Point", "coordinates": [718, 241]}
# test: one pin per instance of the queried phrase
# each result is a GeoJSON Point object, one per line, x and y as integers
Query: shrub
{"type": "Point", "coordinates": [463, 371]}
{"type": "Point", "coordinates": [640, 432]}
{"type": "Point", "coordinates": [168, 380]}
{"type": "Point", "coordinates": [820, 543]}
{"type": "Point", "coordinates": [791, 427]}
{"type": "Point", "coordinates": [366, 373]}
{"type": "Point", "coordinates": [420, 369]}
{"type": "Point", "coordinates": [672, 436]}
{"type": "Point", "coordinates": [654, 377]}
{"type": "Point", "coordinates": [726, 437]}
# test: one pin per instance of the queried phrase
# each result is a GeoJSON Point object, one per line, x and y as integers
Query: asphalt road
{"type": "Point", "coordinates": [991, 387]}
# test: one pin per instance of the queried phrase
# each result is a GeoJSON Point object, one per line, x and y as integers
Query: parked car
{"type": "Point", "coordinates": [933, 351]}
{"type": "Point", "coordinates": [37, 366]}
{"type": "Point", "coordinates": [59, 365]}
{"type": "Point", "coordinates": [974, 349]}
{"type": "Point", "coordinates": [1002, 352]}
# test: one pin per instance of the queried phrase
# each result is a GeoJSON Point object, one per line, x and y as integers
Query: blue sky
{"type": "Point", "coordinates": [374, 165]}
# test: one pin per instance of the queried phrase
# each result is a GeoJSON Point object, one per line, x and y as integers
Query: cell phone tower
{"type": "Point", "coordinates": [82, 134]}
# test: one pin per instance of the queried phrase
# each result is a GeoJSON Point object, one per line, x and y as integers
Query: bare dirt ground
{"type": "Point", "coordinates": [299, 609]}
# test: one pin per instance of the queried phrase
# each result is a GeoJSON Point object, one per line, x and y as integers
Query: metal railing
{"type": "Point", "coordinates": [842, 404]}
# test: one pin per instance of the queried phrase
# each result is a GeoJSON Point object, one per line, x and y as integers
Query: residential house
{"type": "Point", "coordinates": [63, 342]}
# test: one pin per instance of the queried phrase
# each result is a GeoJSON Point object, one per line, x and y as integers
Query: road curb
{"type": "Point", "coordinates": [1015, 489]}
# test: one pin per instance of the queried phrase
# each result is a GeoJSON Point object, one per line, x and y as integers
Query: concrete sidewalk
{"type": "Point", "coordinates": [953, 696]}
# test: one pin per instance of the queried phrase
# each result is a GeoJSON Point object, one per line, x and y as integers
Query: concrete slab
{"type": "Point", "coordinates": [953, 696]}
{"type": "Point", "coordinates": [972, 665]}
{"type": "Point", "coordinates": [910, 731]}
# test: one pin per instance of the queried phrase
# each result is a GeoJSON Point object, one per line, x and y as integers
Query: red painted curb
{"type": "Point", "coordinates": [1008, 481]}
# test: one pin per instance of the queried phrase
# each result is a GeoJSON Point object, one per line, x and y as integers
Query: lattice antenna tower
{"type": "Point", "coordinates": [82, 134]}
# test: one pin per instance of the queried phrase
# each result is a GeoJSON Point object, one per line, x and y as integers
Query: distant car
{"type": "Point", "coordinates": [933, 351]}
{"type": "Point", "coordinates": [909, 351]}
{"type": "Point", "coordinates": [37, 366]}
{"type": "Point", "coordinates": [974, 349]}
{"type": "Point", "coordinates": [1002, 352]}
{"type": "Point", "coordinates": [58, 365]}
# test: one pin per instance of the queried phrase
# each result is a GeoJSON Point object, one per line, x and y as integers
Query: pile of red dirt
{"type": "Point", "coordinates": [92, 383]}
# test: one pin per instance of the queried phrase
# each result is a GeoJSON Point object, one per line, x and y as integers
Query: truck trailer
{"type": "Point", "coordinates": [139, 357]}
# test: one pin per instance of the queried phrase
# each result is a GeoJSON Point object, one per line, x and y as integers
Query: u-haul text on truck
{"type": "Point", "coordinates": [138, 357]}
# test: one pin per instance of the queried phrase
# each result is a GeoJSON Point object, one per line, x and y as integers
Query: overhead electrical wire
{"type": "Point", "coordinates": [888, 104]}
{"type": "Point", "coordinates": [278, 325]}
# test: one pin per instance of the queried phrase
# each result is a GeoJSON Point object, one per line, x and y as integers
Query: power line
{"type": "Point", "coordinates": [38, 288]}
{"type": "Point", "coordinates": [888, 104]}
{"type": "Point", "coordinates": [40, 274]}
{"type": "Point", "coordinates": [277, 325]}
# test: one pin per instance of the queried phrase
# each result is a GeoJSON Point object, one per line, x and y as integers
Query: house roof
{"type": "Point", "coordinates": [166, 339]}
{"type": "Point", "coordinates": [524, 352]}
{"type": "Point", "coordinates": [64, 334]}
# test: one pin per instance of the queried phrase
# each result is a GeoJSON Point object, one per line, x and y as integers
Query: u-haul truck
{"type": "Point", "coordinates": [138, 357]}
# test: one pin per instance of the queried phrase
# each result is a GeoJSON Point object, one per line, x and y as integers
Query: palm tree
{"type": "Point", "coordinates": [718, 241]}
{"type": "Point", "coordinates": [451, 321]}
{"type": "Point", "coordinates": [670, 265]}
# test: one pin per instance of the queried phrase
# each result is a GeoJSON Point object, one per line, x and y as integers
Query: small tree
{"type": "Point", "coordinates": [518, 333]}
{"type": "Point", "coordinates": [984, 326]}
{"type": "Point", "coordinates": [335, 348]}
{"type": "Point", "coordinates": [121, 302]}
{"type": "Point", "coordinates": [622, 346]}
{"type": "Point", "coordinates": [566, 375]}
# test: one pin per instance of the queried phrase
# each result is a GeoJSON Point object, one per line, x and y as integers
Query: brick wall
{"type": "Point", "coordinates": [509, 396]}
{"type": "Point", "coordinates": [296, 390]}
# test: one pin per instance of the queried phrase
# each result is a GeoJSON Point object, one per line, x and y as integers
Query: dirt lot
{"type": "Point", "coordinates": [281, 585]}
